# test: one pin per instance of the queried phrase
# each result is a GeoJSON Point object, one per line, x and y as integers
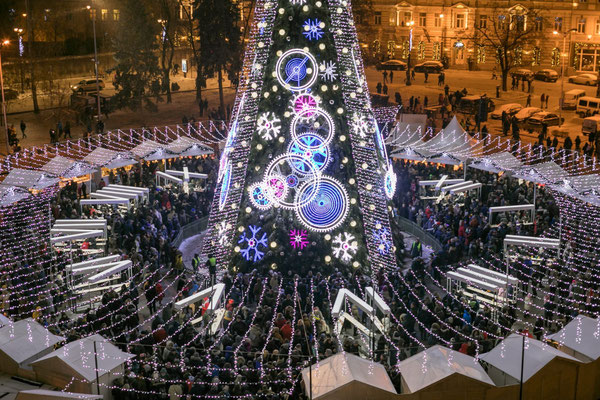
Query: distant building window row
{"type": "Point", "coordinates": [106, 14]}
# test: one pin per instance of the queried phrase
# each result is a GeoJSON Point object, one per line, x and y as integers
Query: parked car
{"type": "Point", "coordinates": [87, 85]}
{"type": "Point", "coordinates": [434, 67]}
{"type": "Point", "coordinates": [470, 104]}
{"type": "Point", "coordinates": [510, 108]}
{"type": "Point", "coordinates": [522, 73]}
{"type": "Point", "coordinates": [394, 65]}
{"type": "Point", "coordinates": [587, 106]}
{"type": "Point", "coordinates": [584, 79]}
{"type": "Point", "coordinates": [546, 75]}
{"type": "Point", "coordinates": [544, 118]}
{"type": "Point", "coordinates": [526, 113]}
{"type": "Point", "coordinates": [591, 125]}
{"type": "Point", "coordinates": [572, 98]}
{"type": "Point", "coordinates": [10, 94]}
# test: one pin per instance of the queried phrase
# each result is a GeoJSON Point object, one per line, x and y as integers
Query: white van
{"type": "Point", "coordinates": [588, 104]}
{"type": "Point", "coordinates": [591, 125]}
{"type": "Point", "coordinates": [571, 98]}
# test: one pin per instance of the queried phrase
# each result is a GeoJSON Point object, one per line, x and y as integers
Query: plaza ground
{"type": "Point", "coordinates": [183, 103]}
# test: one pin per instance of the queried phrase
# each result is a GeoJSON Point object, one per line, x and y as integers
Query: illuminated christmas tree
{"type": "Point", "coordinates": [304, 178]}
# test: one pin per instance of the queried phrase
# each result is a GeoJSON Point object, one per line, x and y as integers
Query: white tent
{"type": "Point", "coordinates": [29, 179]}
{"type": "Point", "coordinates": [348, 376]}
{"type": "Point", "coordinates": [439, 363]}
{"type": "Point", "coordinates": [505, 359]}
{"type": "Point", "coordinates": [101, 157]}
{"type": "Point", "coordinates": [453, 141]}
{"type": "Point", "coordinates": [77, 360]}
{"type": "Point", "coordinates": [146, 147]}
{"type": "Point", "coordinates": [67, 168]}
{"type": "Point", "coordinates": [544, 173]}
{"type": "Point", "coordinates": [497, 162]}
{"type": "Point", "coordinates": [45, 394]}
{"type": "Point", "coordinates": [185, 146]}
{"type": "Point", "coordinates": [22, 342]}
{"type": "Point", "coordinates": [582, 337]}
{"type": "Point", "coordinates": [12, 194]}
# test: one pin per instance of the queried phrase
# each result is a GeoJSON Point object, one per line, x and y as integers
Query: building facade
{"type": "Point", "coordinates": [563, 32]}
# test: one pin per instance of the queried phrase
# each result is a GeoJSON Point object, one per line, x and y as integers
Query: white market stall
{"type": "Point", "coordinates": [547, 372]}
{"type": "Point", "coordinates": [11, 194]}
{"type": "Point", "coordinates": [580, 338]}
{"type": "Point", "coordinates": [146, 148]}
{"type": "Point", "coordinates": [497, 162]}
{"type": "Point", "coordinates": [445, 372]}
{"type": "Point", "coordinates": [68, 168]}
{"type": "Point", "coordinates": [30, 179]}
{"type": "Point", "coordinates": [73, 365]}
{"type": "Point", "coordinates": [21, 343]}
{"type": "Point", "coordinates": [105, 158]}
{"type": "Point", "coordinates": [45, 394]}
{"type": "Point", "coordinates": [346, 376]}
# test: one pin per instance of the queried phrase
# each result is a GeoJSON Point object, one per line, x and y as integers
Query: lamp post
{"type": "Point", "coordinates": [562, 71]}
{"type": "Point", "coordinates": [95, 59]}
{"type": "Point", "coordinates": [410, 33]}
{"type": "Point", "coordinates": [4, 43]}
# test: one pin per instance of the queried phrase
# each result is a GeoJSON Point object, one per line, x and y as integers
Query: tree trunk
{"type": "Point", "coordinates": [221, 100]}
{"type": "Point", "coordinates": [199, 92]}
{"type": "Point", "coordinates": [504, 80]}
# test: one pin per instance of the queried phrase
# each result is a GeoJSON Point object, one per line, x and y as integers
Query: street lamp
{"type": "Point", "coordinates": [4, 43]}
{"type": "Point", "coordinates": [95, 58]}
{"type": "Point", "coordinates": [562, 70]}
{"type": "Point", "coordinates": [410, 33]}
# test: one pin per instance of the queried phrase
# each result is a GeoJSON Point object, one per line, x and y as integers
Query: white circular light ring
{"type": "Point", "coordinates": [302, 101]}
{"type": "Point", "coordinates": [287, 56]}
{"type": "Point", "coordinates": [276, 187]}
{"type": "Point", "coordinates": [281, 167]}
{"type": "Point", "coordinates": [328, 208]}
{"type": "Point", "coordinates": [311, 117]}
{"type": "Point", "coordinates": [311, 147]}
{"type": "Point", "coordinates": [259, 197]}
{"type": "Point", "coordinates": [389, 182]}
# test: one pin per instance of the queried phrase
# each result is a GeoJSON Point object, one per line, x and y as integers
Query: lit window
{"type": "Point", "coordinates": [116, 15]}
{"type": "Point", "coordinates": [581, 26]}
{"type": "Point", "coordinates": [407, 18]}
{"type": "Point", "coordinates": [483, 21]}
{"type": "Point", "coordinates": [104, 14]}
{"type": "Point", "coordinates": [92, 13]}
{"type": "Point", "coordinates": [461, 21]}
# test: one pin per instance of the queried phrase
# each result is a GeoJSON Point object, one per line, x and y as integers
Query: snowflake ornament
{"type": "Point", "coordinates": [298, 238]}
{"type": "Point", "coordinates": [328, 71]}
{"type": "Point", "coordinates": [344, 247]}
{"type": "Point", "coordinates": [383, 238]}
{"type": "Point", "coordinates": [303, 101]}
{"type": "Point", "coordinates": [313, 29]}
{"type": "Point", "coordinates": [253, 244]}
{"type": "Point", "coordinates": [222, 232]}
{"type": "Point", "coordinates": [360, 125]}
{"type": "Point", "coordinates": [268, 126]}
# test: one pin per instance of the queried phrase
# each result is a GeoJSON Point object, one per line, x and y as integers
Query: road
{"type": "Point", "coordinates": [476, 82]}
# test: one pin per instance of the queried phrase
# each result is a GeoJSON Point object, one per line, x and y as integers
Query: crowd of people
{"type": "Point", "coordinates": [273, 323]}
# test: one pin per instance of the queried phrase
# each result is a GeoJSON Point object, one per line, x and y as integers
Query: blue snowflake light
{"type": "Point", "coordinates": [382, 238]}
{"type": "Point", "coordinates": [251, 252]}
{"type": "Point", "coordinates": [312, 150]}
{"type": "Point", "coordinates": [313, 29]}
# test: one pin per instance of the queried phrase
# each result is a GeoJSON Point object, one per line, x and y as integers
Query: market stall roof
{"type": "Point", "coordinates": [12, 194]}
{"type": "Point", "coordinates": [440, 363]}
{"type": "Point", "coordinates": [506, 356]}
{"type": "Point", "coordinates": [78, 354]}
{"type": "Point", "coordinates": [45, 394]}
{"type": "Point", "coordinates": [29, 179]}
{"type": "Point", "coordinates": [413, 153]}
{"type": "Point", "coordinates": [25, 339]}
{"type": "Point", "coordinates": [146, 148]}
{"type": "Point", "coordinates": [453, 139]}
{"type": "Point", "coordinates": [497, 162]}
{"type": "Point", "coordinates": [582, 334]}
{"type": "Point", "coordinates": [101, 157]}
{"type": "Point", "coordinates": [67, 168]}
{"type": "Point", "coordinates": [543, 173]}
{"type": "Point", "coordinates": [185, 146]}
{"type": "Point", "coordinates": [342, 369]}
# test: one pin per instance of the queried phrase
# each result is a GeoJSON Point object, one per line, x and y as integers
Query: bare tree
{"type": "Point", "coordinates": [507, 32]}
